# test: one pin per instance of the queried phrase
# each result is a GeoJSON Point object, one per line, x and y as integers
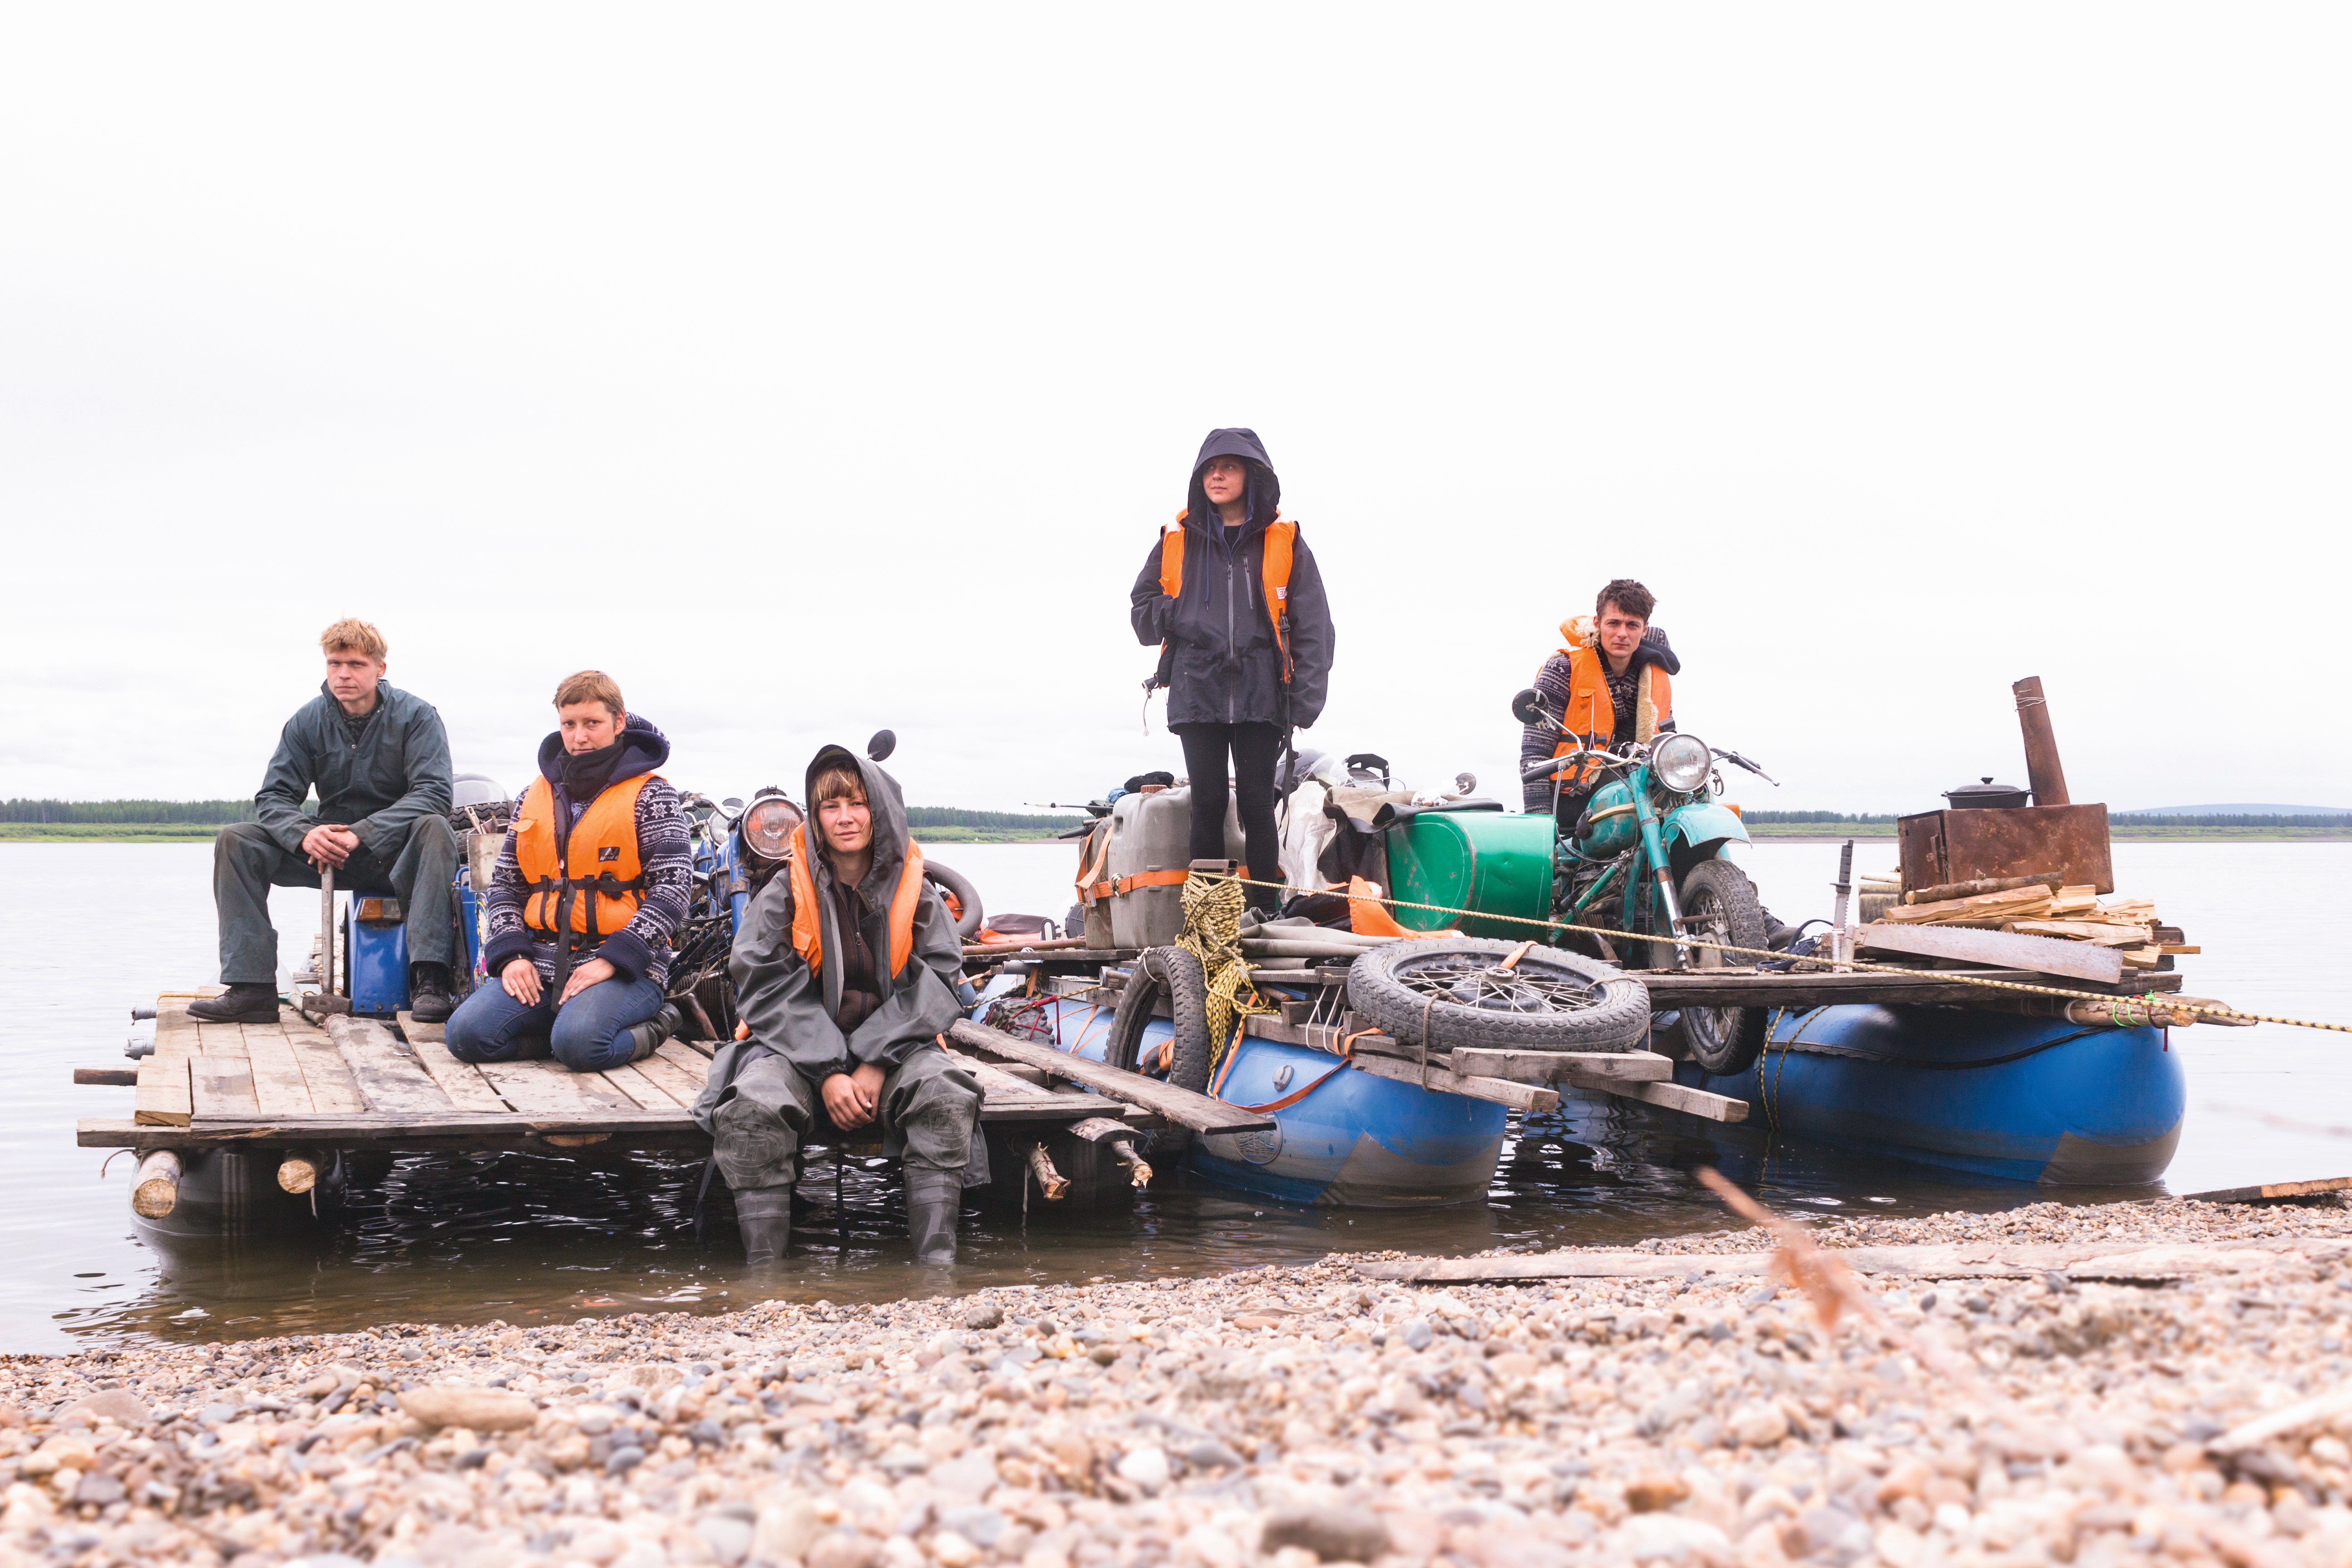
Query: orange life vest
{"type": "Point", "coordinates": [1591, 717]}
{"type": "Point", "coordinates": [1274, 574]}
{"type": "Point", "coordinates": [808, 928]}
{"type": "Point", "coordinates": [599, 897]}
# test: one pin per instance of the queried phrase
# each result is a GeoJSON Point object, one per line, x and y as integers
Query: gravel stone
{"type": "Point", "coordinates": [1251, 1421]}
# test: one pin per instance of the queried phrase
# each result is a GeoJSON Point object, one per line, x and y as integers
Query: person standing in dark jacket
{"type": "Point", "coordinates": [1232, 594]}
{"type": "Point", "coordinates": [380, 760]}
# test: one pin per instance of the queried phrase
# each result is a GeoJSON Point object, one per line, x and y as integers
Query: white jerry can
{"type": "Point", "coordinates": [1150, 839]}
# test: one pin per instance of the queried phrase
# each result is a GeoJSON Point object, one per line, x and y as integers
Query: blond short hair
{"type": "Point", "coordinates": [358, 635]}
{"type": "Point", "coordinates": [590, 686]}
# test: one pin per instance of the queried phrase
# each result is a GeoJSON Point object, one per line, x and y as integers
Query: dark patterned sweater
{"type": "Point", "coordinates": [641, 948]}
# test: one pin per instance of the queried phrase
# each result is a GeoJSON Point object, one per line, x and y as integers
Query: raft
{"type": "Point", "coordinates": [2016, 1099]}
{"type": "Point", "coordinates": [1341, 1138]}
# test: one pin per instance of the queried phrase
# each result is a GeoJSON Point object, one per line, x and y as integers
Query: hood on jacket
{"type": "Point", "coordinates": [1260, 500]}
{"type": "Point", "coordinates": [889, 807]}
{"type": "Point", "coordinates": [1578, 631]}
{"type": "Point", "coordinates": [643, 749]}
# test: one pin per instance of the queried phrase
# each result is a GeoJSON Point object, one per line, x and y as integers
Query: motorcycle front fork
{"type": "Point", "coordinates": [1661, 866]}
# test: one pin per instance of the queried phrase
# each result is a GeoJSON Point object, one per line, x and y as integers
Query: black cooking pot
{"type": "Point", "coordinates": [1987, 797]}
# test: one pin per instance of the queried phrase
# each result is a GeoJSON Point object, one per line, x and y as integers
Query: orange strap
{"type": "Point", "coordinates": [1365, 915]}
{"type": "Point", "coordinates": [1348, 1043]}
{"type": "Point", "coordinates": [1143, 879]}
{"type": "Point", "coordinates": [1293, 1096]}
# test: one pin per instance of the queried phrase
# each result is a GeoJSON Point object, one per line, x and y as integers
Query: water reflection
{"type": "Point", "coordinates": [465, 1237]}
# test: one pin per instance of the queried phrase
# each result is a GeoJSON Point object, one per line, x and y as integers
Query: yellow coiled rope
{"type": "Point", "coordinates": [1212, 933]}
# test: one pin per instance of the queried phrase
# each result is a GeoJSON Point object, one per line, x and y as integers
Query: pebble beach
{"type": "Point", "coordinates": [1276, 1418]}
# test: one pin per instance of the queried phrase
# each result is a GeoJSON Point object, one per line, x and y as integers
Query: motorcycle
{"type": "Point", "coordinates": [1654, 855]}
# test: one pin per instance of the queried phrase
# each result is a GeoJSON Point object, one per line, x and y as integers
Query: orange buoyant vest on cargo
{"type": "Point", "coordinates": [592, 880]}
{"type": "Point", "coordinates": [808, 928]}
{"type": "Point", "coordinates": [1591, 718]}
{"type": "Point", "coordinates": [1273, 572]}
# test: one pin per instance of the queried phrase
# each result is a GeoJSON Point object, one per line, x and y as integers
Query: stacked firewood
{"type": "Point", "coordinates": [2039, 909]}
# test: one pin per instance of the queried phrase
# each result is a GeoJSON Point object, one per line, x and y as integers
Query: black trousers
{"type": "Point", "coordinates": [1256, 750]}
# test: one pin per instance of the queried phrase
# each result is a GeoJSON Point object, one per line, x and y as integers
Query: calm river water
{"type": "Point", "coordinates": [91, 929]}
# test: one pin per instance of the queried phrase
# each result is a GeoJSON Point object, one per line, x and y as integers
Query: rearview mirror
{"type": "Point", "coordinates": [880, 747]}
{"type": "Point", "coordinates": [1527, 707]}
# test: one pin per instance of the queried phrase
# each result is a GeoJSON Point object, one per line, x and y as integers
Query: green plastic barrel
{"type": "Point", "coordinates": [1492, 862]}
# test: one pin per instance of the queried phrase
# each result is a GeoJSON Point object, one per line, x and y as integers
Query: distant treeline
{"type": "Point", "coordinates": [204, 813]}
{"type": "Point", "coordinates": [2135, 819]}
{"type": "Point", "coordinates": [956, 816]}
{"type": "Point", "coordinates": [2238, 819]}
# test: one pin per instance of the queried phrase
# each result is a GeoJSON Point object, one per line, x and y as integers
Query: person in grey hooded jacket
{"type": "Point", "coordinates": [845, 972]}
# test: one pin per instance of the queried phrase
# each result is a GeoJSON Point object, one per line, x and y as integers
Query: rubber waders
{"type": "Point", "coordinates": [934, 1200]}
{"type": "Point", "coordinates": [764, 1215]}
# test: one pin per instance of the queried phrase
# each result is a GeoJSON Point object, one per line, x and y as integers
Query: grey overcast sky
{"type": "Point", "coordinates": [814, 369]}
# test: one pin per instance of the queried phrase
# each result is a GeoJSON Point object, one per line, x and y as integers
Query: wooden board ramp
{"type": "Point", "coordinates": [357, 1082]}
{"type": "Point", "coordinates": [2272, 1191]}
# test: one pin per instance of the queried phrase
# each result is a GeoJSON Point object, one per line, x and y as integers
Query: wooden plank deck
{"type": "Point", "coordinates": [357, 1083]}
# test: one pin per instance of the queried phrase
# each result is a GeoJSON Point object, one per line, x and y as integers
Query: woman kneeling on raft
{"type": "Point", "coordinates": [591, 884]}
{"type": "Point", "coordinates": [845, 972]}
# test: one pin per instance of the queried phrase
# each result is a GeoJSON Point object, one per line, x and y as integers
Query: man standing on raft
{"type": "Point", "coordinates": [845, 972]}
{"type": "Point", "coordinates": [1231, 595]}
{"type": "Point", "coordinates": [1611, 683]}
{"type": "Point", "coordinates": [380, 760]}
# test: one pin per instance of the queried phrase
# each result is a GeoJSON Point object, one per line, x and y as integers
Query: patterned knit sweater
{"type": "Point", "coordinates": [640, 948]}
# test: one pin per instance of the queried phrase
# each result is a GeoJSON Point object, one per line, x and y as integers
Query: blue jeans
{"type": "Point", "coordinates": [590, 1033]}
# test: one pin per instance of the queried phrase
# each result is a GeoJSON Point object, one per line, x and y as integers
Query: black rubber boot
{"type": "Point", "coordinates": [245, 1003]}
{"type": "Point", "coordinates": [429, 1001]}
{"type": "Point", "coordinates": [648, 1036]}
{"type": "Point", "coordinates": [934, 1202]}
{"type": "Point", "coordinates": [764, 1215]}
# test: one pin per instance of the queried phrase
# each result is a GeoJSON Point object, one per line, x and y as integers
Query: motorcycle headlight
{"type": "Point", "coordinates": [1681, 762]}
{"type": "Point", "coordinates": [768, 827]}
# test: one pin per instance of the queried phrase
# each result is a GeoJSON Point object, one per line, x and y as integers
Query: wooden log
{"type": "Point", "coordinates": [298, 1172]}
{"type": "Point", "coordinates": [1443, 1080]}
{"type": "Point", "coordinates": [2050, 879]}
{"type": "Point", "coordinates": [1180, 1106]}
{"type": "Point", "coordinates": [1673, 1096]}
{"type": "Point", "coordinates": [1551, 1067]}
{"type": "Point", "coordinates": [1009, 949]}
{"type": "Point", "coordinates": [2074, 960]}
{"type": "Point", "coordinates": [1964, 1260]}
{"type": "Point", "coordinates": [155, 1190]}
{"type": "Point", "coordinates": [1050, 1182]}
{"type": "Point", "coordinates": [683, 1087]}
{"type": "Point", "coordinates": [117, 1077]}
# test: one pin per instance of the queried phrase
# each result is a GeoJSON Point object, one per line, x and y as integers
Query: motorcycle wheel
{"type": "Point", "coordinates": [966, 897]}
{"type": "Point", "coordinates": [1172, 973]}
{"type": "Point", "coordinates": [1454, 987]}
{"type": "Point", "coordinates": [1719, 904]}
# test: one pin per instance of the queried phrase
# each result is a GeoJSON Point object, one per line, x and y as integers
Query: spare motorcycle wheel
{"type": "Point", "coordinates": [1456, 988]}
{"type": "Point", "coordinates": [1719, 904]}
{"type": "Point", "coordinates": [1174, 974]}
{"type": "Point", "coordinates": [968, 914]}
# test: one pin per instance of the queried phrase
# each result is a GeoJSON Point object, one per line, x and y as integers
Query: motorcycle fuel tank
{"type": "Point", "coordinates": [1611, 835]}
